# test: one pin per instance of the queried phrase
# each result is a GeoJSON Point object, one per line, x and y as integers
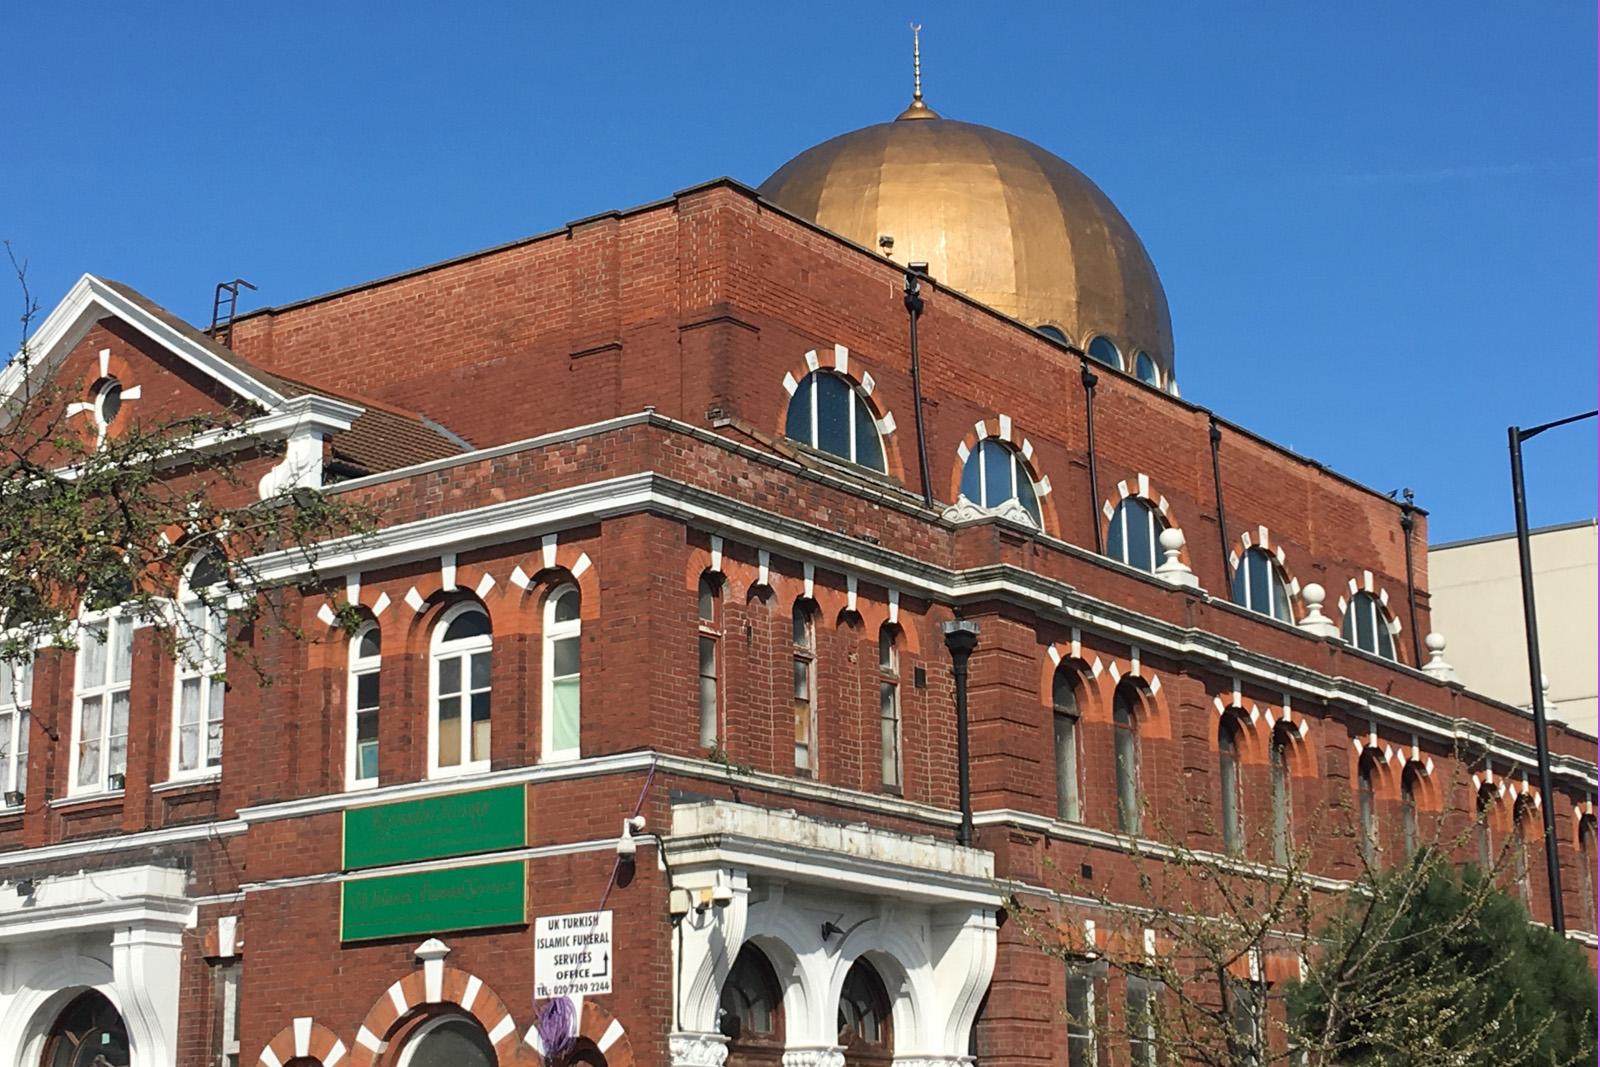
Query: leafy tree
{"type": "Point", "coordinates": [1413, 964]}
{"type": "Point", "coordinates": [89, 523]}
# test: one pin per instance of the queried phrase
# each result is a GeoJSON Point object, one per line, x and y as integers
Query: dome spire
{"type": "Point", "coordinates": [917, 110]}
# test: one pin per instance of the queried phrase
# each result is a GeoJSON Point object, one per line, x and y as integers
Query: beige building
{"type": "Point", "coordinates": [1476, 593]}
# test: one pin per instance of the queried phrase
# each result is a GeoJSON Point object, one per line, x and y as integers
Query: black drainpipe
{"type": "Point", "coordinates": [1222, 515]}
{"type": "Point", "coordinates": [1407, 523]}
{"type": "Point", "coordinates": [961, 637]}
{"type": "Point", "coordinates": [914, 274]}
{"type": "Point", "coordinates": [1090, 380]}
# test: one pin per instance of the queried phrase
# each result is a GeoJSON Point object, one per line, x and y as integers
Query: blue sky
{"type": "Point", "coordinates": [1376, 222]}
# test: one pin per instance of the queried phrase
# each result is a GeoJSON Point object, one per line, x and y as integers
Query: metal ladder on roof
{"type": "Point", "coordinates": [223, 304]}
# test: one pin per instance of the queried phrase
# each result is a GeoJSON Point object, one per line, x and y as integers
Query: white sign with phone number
{"type": "Point", "coordinates": [572, 955]}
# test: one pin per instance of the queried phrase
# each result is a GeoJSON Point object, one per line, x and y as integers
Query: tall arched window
{"type": "Point", "coordinates": [1521, 815]}
{"type": "Point", "coordinates": [1102, 349]}
{"type": "Point", "coordinates": [562, 718]}
{"type": "Point", "coordinates": [1366, 625]}
{"type": "Point", "coordinates": [1485, 806]}
{"type": "Point", "coordinates": [751, 1015]}
{"type": "Point", "coordinates": [1408, 808]}
{"type": "Point", "coordinates": [1064, 700]}
{"type": "Point", "coordinates": [449, 1041]}
{"type": "Point", "coordinates": [805, 687]}
{"type": "Point", "coordinates": [865, 1028]}
{"type": "Point", "coordinates": [1282, 810]}
{"type": "Point", "coordinates": [1259, 586]}
{"type": "Point", "coordinates": [16, 697]}
{"type": "Point", "coordinates": [889, 703]}
{"type": "Point", "coordinates": [458, 729]}
{"type": "Point", "coordinates": [1586, 849]}
{"type": "Point", "coordinates": [827, 413]}
{"type": "Point", "coordinates": [1133, 538]}
{"type": "Point", "coordinates": [361, 724]}
{"type": "Point", "coordinates": [1145, 369]}
{"type": "Point", "coordinates": [1367, 805]}
{"type": "Point", "coordinates": [710, 612]}
{"type": "Point", "coordinates": [202, 663]}
{"type": "Point", "coordinates": [1055, 333]}
{"type": "Point", "coordinates": [994, 473]}
{"type": "Point", "coordinates": [1125, 725]}
{"type": "Point", "coordinates": [99, 755]}
{"type": "Point", "coordinates": [1229, 778]}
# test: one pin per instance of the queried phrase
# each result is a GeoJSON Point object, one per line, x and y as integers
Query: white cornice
{"type": "Point", "coordinates": [91, 300]}
{"type": "Point", "coordinates": [122, 843]}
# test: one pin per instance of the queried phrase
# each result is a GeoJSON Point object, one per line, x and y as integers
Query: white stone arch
{"type": "Point", "coordinates": [45, 992]}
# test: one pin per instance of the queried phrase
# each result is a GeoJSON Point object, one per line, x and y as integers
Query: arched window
{"type": "Point", "coordinates": [710, 613]}
{"type": "Point", "coordinates": [1125, 725]}
{"type": "Point", "coordinates": [562, 718]}
{"type": "Point", "coordinates": [202, 664]}
{"type": "Point", "coordinates": [827, 413]}
{"type": "Point", "coordinates": [994, 473]}
{"type": "Point", "coordinates": [107, 404]}
{"type": "Point", "coordinates": [865, 1028]}
{"type": "Point", "coordinates": [1102, 349]}
{"type": "Point", "coordinates": [1485, 805]}
{"type": "Point", "coordinates": [449, 1041]}
{"type": "Point", "coordinates": [1521, 814]}
{"type": "Point", "coordinates": [1367, 806]}
{"type": "Point", "coordinates": [889, 703]}
{"type": "Point", "coordinates": [751, 1015]}
{"type": "Point", "coordinates": [16, 697]}
{"type": "Point", "coordinates": [99, 755]}
{"type": "Point", "coordinates": [805, 687]}
{"type": "Point", "coordinates": [88, 1033]}
{"type": "Point", "coordinates": [1586, 848]}
{"type": "Point", "coordinates": [1145, 369]}
{"type": "Point", "coordinates": [361, 724]}
{"type": "Point", "coordinates": [1055, 333]}
{"type": "Point", "coordinates": [1366, 625]}
{"type": "Point", "coordinates": [1134, 535]}
{"type": "Point", "coordinates": [1258, 585]}
{"type": "Point", "coordinates": [1408, 809]}
{"type": "Point", "coordinates": [458, 729]}
{"type": "Point", "coordinates": [1282, 810]}
{"type": "Point", "coordinates": [1228, 759]}
{"type": "Point", "coordinates": [1064, 700]}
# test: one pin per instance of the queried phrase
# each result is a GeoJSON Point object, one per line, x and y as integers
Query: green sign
{"type": "Point", "coordinates": [435, 827]}
{"type": "Point", "coordinates": [431, 902]}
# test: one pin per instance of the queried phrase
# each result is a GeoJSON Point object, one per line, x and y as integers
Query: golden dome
{"type": "Point", "coordinates": [995, 217]}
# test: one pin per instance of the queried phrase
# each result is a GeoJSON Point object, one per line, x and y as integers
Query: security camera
{"type": "Point", "coordinates": [721, 896]}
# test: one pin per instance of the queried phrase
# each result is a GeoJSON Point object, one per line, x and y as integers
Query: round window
{"type": "Point", "coordinates": [107, 401]}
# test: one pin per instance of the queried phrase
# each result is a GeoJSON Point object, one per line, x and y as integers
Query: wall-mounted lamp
{"type": "Point", "coordinates": [13, 798]}
{"type": "Point", "coordinates": [25, 888]}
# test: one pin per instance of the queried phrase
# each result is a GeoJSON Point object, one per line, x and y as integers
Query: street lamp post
{"type": "Point", "coordinates": [1535, 672]}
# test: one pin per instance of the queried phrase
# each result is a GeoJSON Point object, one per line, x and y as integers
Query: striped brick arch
{"type": "Point", "coordinates": [1262, 538]}
{"type": "Point", "coordinates": [598, 1027]}
{"type": "Point", "coordinates": [303, 1039]}
{"type": "Point", "coordinates": [1367, 585]}
{"type": "Point", "coordinates": [1000, 428]}
{"type": "Point", "coordinates": [436, 983]}
{"type": "Point", "coordinates": [838, 361]}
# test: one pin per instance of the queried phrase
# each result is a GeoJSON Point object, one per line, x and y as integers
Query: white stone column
{"type": "Point", "coordinates": [698, 1049]}
{"type": "Point", "coordinates": [146, 963]}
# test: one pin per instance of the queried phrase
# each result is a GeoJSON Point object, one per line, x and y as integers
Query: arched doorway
{"type": "Point", "coordinates": [87, 1033]}
{"type": "Point", "coordinates": [448, 1041]}
{"type": "Point", "coordinates": [750, 1013]}
{"type": "Point", "coordinates": [865, 1028]}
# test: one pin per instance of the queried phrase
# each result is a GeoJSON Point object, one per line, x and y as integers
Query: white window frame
{"type": "Point", "coordinates": [105, 688]}
{"type": "Point", "coordinates": [558, 631]}
{"type": "Point", "coordinates": [1083, 970]}
{"type": "Point", "coordinates": [857, 404]}
{"type": "Point", "coordinates": [360, 666]}
{"type": "Point", "coordinates": [1276, 586]}
{"type": "Point", "coordinates": [1019, 474]}
{"type": "Point", "coordinates": [1069, 794]}
{"type": "Point", "coordinates": [806, 653]}
{"type": "Point", "coordinates": [1153, 524]}
{"type": "Point", "coordinates": [710, 632]}
{"type": "Point", "coordinates": [16, 704]}
{"type": "Point", "coordinates": [1350, 626]}
{"type": "Point", "coordinates": [464, 648]}
{"type": "Point", "coordinates": [891, 727]}
{"type": "Point", "coordinates": [208, 668]}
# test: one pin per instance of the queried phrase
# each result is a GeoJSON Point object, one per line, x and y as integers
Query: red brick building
{"type": "Point", "coordinates": [653, 712]}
